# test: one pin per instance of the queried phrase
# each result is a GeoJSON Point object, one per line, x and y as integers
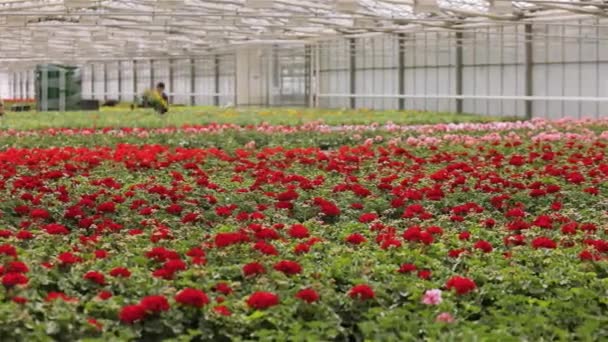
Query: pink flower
{"type": "Point", "coordinates": [432, 297]}
{"type": "Point", "coordinates": [445, 317]}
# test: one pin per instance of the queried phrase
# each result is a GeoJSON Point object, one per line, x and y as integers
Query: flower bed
{"type": "Point", "coordinates": [459, 238]}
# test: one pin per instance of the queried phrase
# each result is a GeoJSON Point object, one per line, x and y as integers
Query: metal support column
{"type": "Point", "coordinates": [21, 84]}
{"type": "Point", "coordinates": [317, 89]}
{"type": "Point", "coordinates": [134, 79]}
{"type": "Point", "coordinates": [401, 68]}
{"type": "Point", "coordinates": [151, 74]}
{"type": "Point", "coordinates": [27, 84]}
{"type": "Point", "coordinates": [93, 81]}
{"type": "Point", "coordinates": [458, 71]}
{"type": "Point", "coordinates": [216, 79]}
{"type": "Point", "coordinates": [171, 83]}
{"type": "Point", "coordinates": [308, 75]}
{"type": "Point", "coordinates": [352, 71]}
{"type": "Point", "coordinates": [528, 69]}
{"type": "Point", "coordinates": [105, 81]}
{"type": "Point", "coordinates": [119, 81]}
{"type": "Point", "coordinates": [192, 82]}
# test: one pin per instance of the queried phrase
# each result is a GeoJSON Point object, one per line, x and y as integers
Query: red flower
{"type": "Point", "coordinates": [223, 288]}
{"type": "Point", "coordinates": [104, 295]}
{"type": "Point", "coordinates": [107, 207]}
{"type": "Point", "coordinates": [51, 296]}
{"type": "Point", "coordinates": [56, 229]}
{"type": "Point", "coordinates": [543, 242]}
{"type": "Point", "coordinates": [12, 279]}
{"type": "Point", "coordinates": [175, 209]}
{"type": "Point", "coordinates": [8, 250]}
{"type": "Point", "coordinates": [367, 217]}
{"type": "Point", "coordinates": [262, 300]}
{"type": "Point", "coordinates": [253, 269]}
{"type": "Point", "coordinates": [483, 245]}
{"type": "Point", "coordinates": [301, 248]}
{"type": "Point", "coordinates": [95, 323]}
{"type": "Point", "coordinates": [17, 267]}
{"type": "Point", "coordinates": [424, 274]}
{"type": "Point", "coordinates": [36, 213]}
{"type": "Point", "coordinates": [120, 272]}
{"type": "Point", "coordinates": [132, 313]}
{"type": "Point", "coordinates": [175, 265]}
{"type": "Point", "coordinates": [362, 292]}
{"type": "Point", "coordinates": [407, 268]}
{"type": "Point", "coordinates": [95, 277]}
{"type": "Point", "coordinates": [192, 297]}
{"type": "Point", "coordinates": [19, 300]}
{"type": "Point", "coordinates": [298, 231]}
{"type": "Point", "coordinates": [222, 310]}
{"type": "Point", "coordinates": [68, 258]}
{"type": "Point", "coordinates": [355, 239]}
{"type": "Point", "coordinates": [462, 285]}
{"type": "Point", "coordinates": [265, 248]}
{"type": "Point", "coordinates": [227, 239]}
{"type": "Point", "coordinates": [308, 295]}
{"type": "Point", "coordinates": [154, 304]}
{"type": "Point", "coordinates": [288, 267]}
{"type": "Point", "coordinates": [101, 254]}
{"type": "Point", "coordinates": [464, 236]}
{"type": "Point", "coordinates": [24, 235]}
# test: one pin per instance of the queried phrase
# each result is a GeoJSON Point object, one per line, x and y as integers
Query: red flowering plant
{"type": "Point", "coordinates": [494, 226]}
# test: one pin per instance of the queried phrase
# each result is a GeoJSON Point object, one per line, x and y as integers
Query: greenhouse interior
{"type": "Point", "coordinates": [545, 59]}
{"type": "Point", "coordinates": [303, 170]}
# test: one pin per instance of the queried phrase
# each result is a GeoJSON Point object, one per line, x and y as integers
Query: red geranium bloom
{"type": "Point", "coordinates": [464, 236]}
{"type": "Point", "coordinates": [265, 248]}
{"type": "Point", "coordinates": [308, 295]}
{"type": "Point", "coordinates": [17, 267]}
{"type": "Point", "coordinates": [407, 268]}
{"type": "Point", "coordinates": [192, 297]}
{"type": "Point", "coordinates": [8, 250]}
{"type": "Point", "coordinates": [95, 277]}
{"type": "Point", "coordinates": [424, 274]}
{"type": "Point", "coordinates": [462, 285]}
{"type": "Point", "coordinates": [483, 245]}
{"type": "Point", "coordinates": [355, 239]}
{"type": "Point", "coordinates": [13, 279]}
{"type": "Point", "coordinates": [222, 310]}
{"type": "Point", "coordinates": [301, 248]}
{"type": "Point", "coordinates": [253, 269]}
{"type": "Point", "coordinates": [223, 288]}
{"type": "Point", "coordinates": [56, 229]}
{"type": "Point", "coordinates": [362, 292]}
{"type": "Point", "coordinates": [298, 231]}
{"type": "Point", "coordinates": [19, 300]}
{"type": "Point", "coordinates": [175, 265]}
{"type": "Point", "coordinates": [104, 295]}
{"type": "Point", "coordinates": [367, 217]}
{"type": "Point", "coordinates": [51, 296]}
{"type": "Point", "coordinates": [132, 313]}
{"type": "Point", "coordinates": [120, 272]}
{"type": "Point", "coordinates": [24, 235]}
{"type": "Point", "coordinates": [154, 304]}
{"type": "Point", "coordinates": [68, 258]}
{"type": "Point", "coordinates": [101, 254]}
{"type": "Point", "coordinates": [262, 300]}
{"type": "Point", "coordinates": [543, 242]}
{"type": "Point", "coordinates": [288, 267]}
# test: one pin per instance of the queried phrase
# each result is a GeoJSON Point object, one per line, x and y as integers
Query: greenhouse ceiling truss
{"type": "Point", "coordinates": [47, 30]}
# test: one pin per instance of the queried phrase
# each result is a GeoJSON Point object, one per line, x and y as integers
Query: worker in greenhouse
{"type": "Point", "coordinates": [1, 108]}
{"type": "Point", "coordinates": [156, 99]}
{"type": "Point", "coordinates": [163, 107]}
